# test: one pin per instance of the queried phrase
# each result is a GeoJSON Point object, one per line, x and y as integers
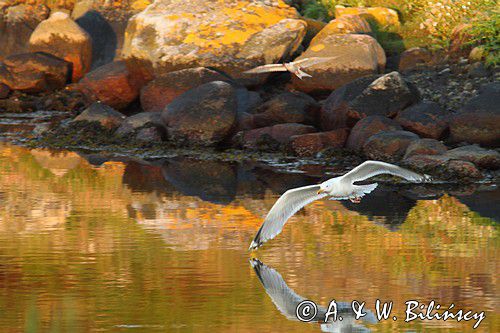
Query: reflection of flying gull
{"type": "Point", "coordinates": [294, 67]}
{"type": "Point", "coordinates": [338, 188]}
{"type": "Point", "coordinates": [286, 300]}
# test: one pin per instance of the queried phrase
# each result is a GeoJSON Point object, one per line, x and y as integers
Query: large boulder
{"type": "Point", "coordinates": [313, 143]}
{"type": "Point", "coordinates": [272, 136]}
{"type": "Point", "coordinates": [34, 72]}
{"type": "Point", "coordinates": [103, 114]}
{"type": "Point", "coordinates": [61, 36]}
{"type": "Point", "coordinates": [483, 158]}
{"type": "Point", "coordinates": [367, 127]}
{"type": "Point", "coordinates": [204, 116]}
{"type": "Point", "coordinates": [16, 26]}
{"type": "Point", "coordinates": [347, 24]}
{"type": "Point", "coordinates": [385, 96]}
{"type": "Point", "coordinates": [352, 56]}
{"type": "Point", "coordinates": [114, 84]}
{"type": "Point", "coordinates": [426, 118]}
{"type": "Point", "coordinates": [425, 147]}
{"type": "Point", "coordinates": [388, 146]}
{"type": "Point", "coordinates": [164, 89]}
{"type": "Point", "coordinates": [479, 120]}
{"type": "Point", "coordinates": [443, 166]}
{"type": "Point", "coordinates": [333, 113]}
{"type": "Point", "coordinates": [383, 17]}
{"type": "Point", "coordinates": [232, 35]}
{"type": "Point", "coordinates": [287, 107]}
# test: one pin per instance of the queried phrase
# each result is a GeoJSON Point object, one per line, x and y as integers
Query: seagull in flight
{"type": "Point", "coordinates": [338, 188]}
{"type": "Point", "coordinates": [294, 67]}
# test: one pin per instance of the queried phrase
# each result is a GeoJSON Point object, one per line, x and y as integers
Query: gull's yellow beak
{"type": "Point", "coordinates": [321, 191]}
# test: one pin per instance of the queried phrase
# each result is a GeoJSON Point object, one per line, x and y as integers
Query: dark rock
{"type": "Point", "coordinates": [462, 169]}
{"type": "Point", "coordinates": [425, 147]}
{"type": "Point", "coordinates": [205, 115]}
{"type": "Point", "coordinates": [211, 181]}
{"type": "Point", "coordinates": [385, 96]}
{"type": "Point", "coordinates": [478, 70]}
{"type": "Point", "coordinates": [151, 134]}
{"type": "Point", "coordinates": [333, 114]}
{"type": "Point", "coordinates": [132, 123]}
{"type": "Point", "coordinates": [388, 146]}
{"type": "Point", "coordinates": [287, 107]}
{"type": "Point", "coordinates": [311, 144]}
{"type": "Point", "coordinates": [34, 72]}
{"type": "Point", "coordinates": [103, 114]}
{"type": "Point", "coordinates": [479, 120]}
{"type": "Point", "coordinates": [443, 166]}
{"type": "Point", "coordinates": [417, 57]}
{"type": "Point", "coordinates": [113, 84]}
{"type": "Point", "coordinates": [4, 90]}
{"type": "Point", "coordinates": [266, 136]}
{"type": "Point", "coordinates": [483, 158]}
{"type": "Point", "coordinates": [426, 163]}
{"type": "Point", "coordinates": [367, 127]}
{"type": "Point", "coordinates": [164, 89]}
{"type": "Point", "coordinates": [427, 119]}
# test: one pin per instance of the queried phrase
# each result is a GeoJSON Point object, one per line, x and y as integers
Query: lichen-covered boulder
{"type": "Point", "coordinates": [164, 89]}
{"type": "Point", "coordinates": [425, 147]}
{"type": "Point", "coordinates": [351, 56]}
{"type": "Point", "coordinates": [416, 57]}
{"type": "Point", "coordinates": [382, 16]}
{"type": "Point", "coordinates": [61, 36]}
{"type": "Point", "coordinates": [231, 35]}
{"type": "Point", "coordinates": [202, 116]}
{"type": "Point", "coordinates": [484, 158]}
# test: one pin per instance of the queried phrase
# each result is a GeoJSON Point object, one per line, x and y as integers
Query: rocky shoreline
{"type": "Point", "coordinates": [164, 97]}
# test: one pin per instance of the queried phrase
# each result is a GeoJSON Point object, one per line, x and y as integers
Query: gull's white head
{"type": "Point", "coordinates": [325, 187]}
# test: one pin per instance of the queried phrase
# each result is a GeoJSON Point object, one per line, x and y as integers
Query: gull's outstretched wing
{"type": "Point", "coordinates": [370, 169]}
{"type": "Point", "coordinates": [287, 205]}
{"type": "Point", "coordinates": [285, 299]}
{"type": "Point", "coordinates": [267, 69]}
{"type": "Point", "coordinates": [307, 62]}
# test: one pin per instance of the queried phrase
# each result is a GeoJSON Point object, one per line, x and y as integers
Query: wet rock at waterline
{"type": "Point", "coordinates": [165, 88]}
{"type": "Point", "coordinates": [388, 146]}
{"type": "Point", "coordinates": [483, 158]}
{"type": "Point", "coordinates": [34, 72]}
{"type": "Point", "coordinates": [203, 116]}
{"type": "Point", "coordinates": [352, 56]}
{"type": "Point", "coordinates": [367, 127]}
{"type": "Point", "coordinates": [426, 119]}
{"type": "Point", "coordinates": [311, 144]}
{"type": "Point", "coordinates": [137, 121]}
{"type": "Point", "coordinates": [272, 137]}
{"type": "Point", "coordinates": [103, 114]}
{"type": "Point", "coordinates": [425, 147]}
{"type": "Point", "coordinates": [59, 35]}
{"type": "Point", "coordinates": [237, 35]}
{"type": "Point", "coordinates": [114, 84]}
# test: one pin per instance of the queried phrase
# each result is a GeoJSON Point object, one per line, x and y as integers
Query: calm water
{"type": "Point", "coordinates": [92, 245]}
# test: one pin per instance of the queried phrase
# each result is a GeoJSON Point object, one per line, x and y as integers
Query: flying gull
{"type": "Point", "coordinates": [294, 67]}
{"type": "Point", "coordinates": [338, 188]}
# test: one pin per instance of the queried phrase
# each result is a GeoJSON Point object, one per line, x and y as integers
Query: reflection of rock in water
{"type": "Point", "coordinates": [145, 178]}
{"type": "Point", "coordinates": [212, 181]}
{"type": "Point", "coordinates": [286, 301]}
{"type": "Point", "coordinates": [486, 203]}
{"type": "Point", "coordinates": [281, 182]}
{"type": "Point", "coordinates": [383, 205]}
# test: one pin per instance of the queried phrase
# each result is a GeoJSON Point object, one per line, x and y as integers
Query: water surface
{"type": "Point", "coordinates": [89, 244]}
